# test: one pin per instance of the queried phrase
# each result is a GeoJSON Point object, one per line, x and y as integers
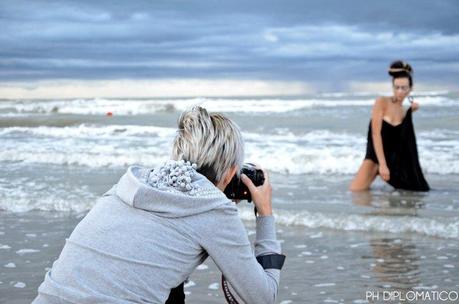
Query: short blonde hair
{"type": "Point", "coordinates": [210, 140]}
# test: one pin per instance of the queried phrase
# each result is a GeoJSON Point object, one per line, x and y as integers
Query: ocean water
{"type": "Point", "coordinates": [58, 156]}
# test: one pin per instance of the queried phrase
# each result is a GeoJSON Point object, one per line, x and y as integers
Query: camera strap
{"type": "Point", "coordinates": [230, 298]}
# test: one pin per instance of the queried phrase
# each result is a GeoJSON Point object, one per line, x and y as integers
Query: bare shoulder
{"type": "Point", "coordinates": [381, 102]}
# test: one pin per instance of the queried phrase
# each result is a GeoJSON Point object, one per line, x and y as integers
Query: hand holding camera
{"type": "Point", "coordinates": [261, 195]}
{"type": "Point", "coordinates": [252, 184]}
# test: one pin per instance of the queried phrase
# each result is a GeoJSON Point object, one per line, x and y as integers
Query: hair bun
{"type": "Point", "coordinates": [400, 67]}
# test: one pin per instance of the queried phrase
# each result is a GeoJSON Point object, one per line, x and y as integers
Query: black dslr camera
{"type": "Point", "coordinates": [237, 190]}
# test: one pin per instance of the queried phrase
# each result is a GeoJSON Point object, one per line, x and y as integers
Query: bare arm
{"type": "Point", "coordinates": [376, 125]}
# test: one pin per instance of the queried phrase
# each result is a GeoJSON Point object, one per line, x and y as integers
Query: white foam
{"type": "Point", "coordinates": [47, 204]}
{"type": "Point", "coordinates": [381, 93]}
{"type": "Point", "coordinates": [326, 152]}
{"type": "Point", "coordinates": [85, 131]}
{"type": "Point", "coordinates": [20, 285]}
{"type": "Point", "coordinates": [139, 107]}
{"type": "Point", "coordinates": [214, 286]}
{"type": "Point", "coordinates": [22, 197]}
{"type": "Point", "coordinates": [438, 101]}
{"type": "Point", "coordinates": [442, 227]}
{"type": "Point", "coordinates": [10, 265]}
{"type": "Point", "coordinates": [92, 146]}
{"type": "Point", "coordinates": [100, 106]}
{"type": "Point", "coordinates": [189, 284]}
{"type": "Point", "coordinates": [315, 236]}
{"type": "Point", "coordinates": [142, 107]}
{"type": "Point", "coordinates": [26, 251]}
{"type": "Point", "coordinates": [330, 301]}
{"type": "Point", "coordinates": [202, 267]}
{"type": "Point", "coordinates": [433, 287]}
{"type": "Point", "coordinates": [325, 285]}
{"type": "Point", "coordinates": [318, 151]}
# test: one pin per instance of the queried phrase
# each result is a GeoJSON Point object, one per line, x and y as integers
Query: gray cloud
{"type": "Point", "coordinates": [315, 41]}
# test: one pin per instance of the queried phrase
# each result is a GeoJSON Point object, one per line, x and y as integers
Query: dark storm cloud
{"type": "Point", "coordinates": [289, 40]}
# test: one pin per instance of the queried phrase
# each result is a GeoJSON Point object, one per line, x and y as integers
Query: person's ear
{"type": "Point", "coordinates": [230, 175]}
{"type": "Point", "coordinates": [227, 178]}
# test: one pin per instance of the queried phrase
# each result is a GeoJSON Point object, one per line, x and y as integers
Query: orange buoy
{"type": "Point", "coordinates": [109, 114]}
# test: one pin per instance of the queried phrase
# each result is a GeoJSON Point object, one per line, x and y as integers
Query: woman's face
{"type": "Point", "coordinates": [401, 87]}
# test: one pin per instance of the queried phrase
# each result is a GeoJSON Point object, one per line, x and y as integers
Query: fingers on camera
{"type": "Point", "coordinates": [246, 180]}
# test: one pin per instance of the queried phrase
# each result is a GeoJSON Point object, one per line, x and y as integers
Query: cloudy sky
{"type": "Point", "coordinates": [187, 48]}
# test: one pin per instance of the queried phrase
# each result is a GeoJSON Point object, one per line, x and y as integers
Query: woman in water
{"type": "Point", "coordinates": [391, 147]}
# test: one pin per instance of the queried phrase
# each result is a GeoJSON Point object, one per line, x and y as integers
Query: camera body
{"type": "Point", "coordinates": [237, 190]}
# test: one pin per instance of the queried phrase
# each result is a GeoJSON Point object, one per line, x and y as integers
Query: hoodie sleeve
{"type": "Point", "coordinates": [226, 241]}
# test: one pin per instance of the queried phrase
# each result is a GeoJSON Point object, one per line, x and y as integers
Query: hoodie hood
{"type": "Point", "coordinates": [174, 189]}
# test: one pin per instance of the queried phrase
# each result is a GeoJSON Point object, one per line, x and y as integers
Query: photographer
{"type": "Point", "coordinates": [147, 234]}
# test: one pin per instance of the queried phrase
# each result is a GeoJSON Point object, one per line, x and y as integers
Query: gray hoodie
{"type": "Point", "coordinates": [146, 236]}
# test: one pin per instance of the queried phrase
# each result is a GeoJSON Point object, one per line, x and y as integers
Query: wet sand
{"type": "Point", "coordinates": [322, 266]}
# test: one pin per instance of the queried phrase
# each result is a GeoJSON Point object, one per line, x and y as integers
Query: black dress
{"type": "Point", "coordinates": [401, 153]}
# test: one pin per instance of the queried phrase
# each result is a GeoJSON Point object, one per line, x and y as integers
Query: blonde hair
{"type": "Point", "coordinates": [210, 140]}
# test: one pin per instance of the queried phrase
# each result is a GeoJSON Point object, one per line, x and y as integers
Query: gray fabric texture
{"type": "Point", "coordinates": [140, 240]}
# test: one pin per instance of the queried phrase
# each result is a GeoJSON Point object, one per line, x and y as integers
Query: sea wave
{"type": "Point", "coordinates": [315, 152]}
{"type": "Point", "coordinates": [25, 196]}
{"type": "Point", "coordinates": [89, 131]}
{"type": "Point", "coordinates": [100, 106]}
{"type": "Point", "coordinates": [37, 195]}
{"type": "Point", "coordinates": [435, 227]}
